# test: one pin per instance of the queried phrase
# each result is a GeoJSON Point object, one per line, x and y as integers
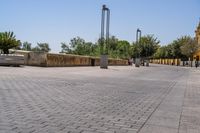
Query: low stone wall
{"type": "Point", "coordinates": [76, 60]}
{"type": "Point", "coordinates": [114, 62]}
{"type": "Point", "coordinates": [33, 58]}
{"type": "Point", "coordinates": [63, 60]}
{"type": "Point", "coordinates": [166, 61]}
{"type": "Point", "coordinates": [11, 60]}
{"type": "Point", "coordinates": [176, 62]}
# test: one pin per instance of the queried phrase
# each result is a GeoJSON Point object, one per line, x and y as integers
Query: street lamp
{"type": "Point", "coordinates": [138, 37]}
{"type": "Point", "coordinates": [105, 19]}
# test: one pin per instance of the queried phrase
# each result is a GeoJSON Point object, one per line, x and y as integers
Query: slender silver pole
{"type": "Point", "coordinates": [102, 30]}
{"type": "Point", "coordinates": [104, 46]}
{"type": "Point", "coordinates": [107, 30]}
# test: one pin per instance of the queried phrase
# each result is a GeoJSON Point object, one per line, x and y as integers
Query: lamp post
{"type": "Point", "coordinates": [138, 37]}
{"type": "Point", "coordinates": [105, 19]}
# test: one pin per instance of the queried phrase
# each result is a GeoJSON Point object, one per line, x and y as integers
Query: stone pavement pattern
{"type": "Point", "coordinates": [91, 100]}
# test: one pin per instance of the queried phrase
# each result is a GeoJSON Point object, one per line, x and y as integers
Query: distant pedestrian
{"type": "Point", "coordinates": [196, 64]}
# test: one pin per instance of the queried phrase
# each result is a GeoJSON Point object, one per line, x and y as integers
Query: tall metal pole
{"type": "Point", "coordinates": [102, 30]}
{"type": "Point", "coordinates": [138, 37]}
{"type": "Point", "coordinates": [107, 29]}
{"type": "Point", "coordinates": [104, 40]}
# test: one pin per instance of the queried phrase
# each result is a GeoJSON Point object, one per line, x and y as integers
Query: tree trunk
{"type": "Point", "coordinates": [191, 59]}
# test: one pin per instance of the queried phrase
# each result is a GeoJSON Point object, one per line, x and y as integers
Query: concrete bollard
{"type": "Point", "coordinates": [104, 62]}
{"type": "Point", "coordinates": [137, 62]}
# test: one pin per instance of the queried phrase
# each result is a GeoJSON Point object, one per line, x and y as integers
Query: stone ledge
{"type": "Point", "coordinates": [11, 60]}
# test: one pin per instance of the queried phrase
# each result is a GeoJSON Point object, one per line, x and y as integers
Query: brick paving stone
{"type": "Point", "coordinates": [88, 99]}
{"type": "Point", "coordinates": [190, 117]}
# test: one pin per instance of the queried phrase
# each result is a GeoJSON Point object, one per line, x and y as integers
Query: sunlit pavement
{"type": "Point", "coordinates": [121, 99]}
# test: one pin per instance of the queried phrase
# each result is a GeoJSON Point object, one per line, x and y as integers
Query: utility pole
{"type": "Point", "coordinates": [138, 37]}
{"type": "Point", "coordinates": [105, 20]}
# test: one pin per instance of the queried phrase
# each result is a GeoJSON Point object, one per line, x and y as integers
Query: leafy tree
{"type": "Point", "coordinates": [146, 46]}
{"type": "Point", "coordinates": [189, 47]}
{"type": "Point", "coordinates": [164, 52]}
{"type": "Point", "coordinates": [135, 49]}
{"type": "Point", "coordinates": [182, 48]}
{"type": "Point", "coordinates": [116, 48]}
{"type": "Point", "coordinates": [95, 50]}
{"type": "Point", "coordinates": [112, 43]}
{"type": "Point", "coordinates": [65, 48]}
{"type": "Point", "coordinates": [8, 41]}
{"type": "Point", "coordinates": [80, 47]}
{"type": "Point", "coordinates": [123, 49]}
{"type": "Point", "coordinates": [26, 46]}
{"type": "Point", "coordinates": [77, 45]}
{"type": "Point", "coordinates": [176, 47]}
{"type": "Point", "coordinates": [42, 47]}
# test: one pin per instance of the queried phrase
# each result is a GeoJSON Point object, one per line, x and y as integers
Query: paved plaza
{"type": "Point", "coordinates": [121, 99]}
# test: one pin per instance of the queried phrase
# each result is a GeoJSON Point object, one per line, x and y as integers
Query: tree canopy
{"type": "Point", "coordinates": [8, 41]}
{"type": "Point", "coordinates": [116, 48]}
{"type": "Point", "coordinates": [146, 46]}
{"type": "Point", "coordinates": [26, 46]}
{"type": "Point", "coordinates": [190, 47]}
{"type": "Point", "coordinates": [42, 47]}
{"type": "Point", "coordinates": [183, 48]}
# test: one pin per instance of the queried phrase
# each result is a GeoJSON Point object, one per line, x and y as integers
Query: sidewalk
{"type": "Point", "coordinates": [180, 110]}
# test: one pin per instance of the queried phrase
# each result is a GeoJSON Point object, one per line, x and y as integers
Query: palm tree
{"type": "Point", "coordinates": [8, 41]}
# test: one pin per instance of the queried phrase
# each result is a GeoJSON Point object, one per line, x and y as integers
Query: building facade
{"type": "Point", "coordinates": [197, 37]}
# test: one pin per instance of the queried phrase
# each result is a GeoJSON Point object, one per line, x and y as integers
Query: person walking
{"type": "Point", "coordinates": [196, 64]}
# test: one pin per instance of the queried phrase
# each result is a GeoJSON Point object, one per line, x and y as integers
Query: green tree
{"type": "Point", "coordinates": [135, 50]}
{"type": "Point", "coordinates": [42, 47]}
{"type": "Point", "coordinates": [176, 47]}
{"type": "Point", "coordinates": [26, 46]}
{"type": "Point", "coordinates": [95, 50]}
{"type": "Point", "coordinates": [8, 41]}
{"type": "Point", "coordinates": [112, 43]}
{"type": "Point", "coordinates": [79, 46]}
{"type": "Point", "coordinates": [146, 47]}
{"type": "Point", "coordinates": [164, 52]}
{"type": "Point", "coordinates": [123, 49]}
{"type": "Point", "coordinates": [182, 48]}
{"type": "Point", "coordinates": [65, 48]}
{"type": "Point", "coordinates": [189, 47]}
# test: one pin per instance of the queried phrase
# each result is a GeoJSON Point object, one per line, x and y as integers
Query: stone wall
{"type": "Point", "coordinates": [33, 58]}
{"type": "Point", "coordinates": [63, 60]}
{"type": "Point", "coordinates": [166, 61]}
{"type": "Point", "coordinates": [176, 62]}
{"type": "Point", "coordinates": [76, 60]}
{"type": "Point", "coordinates": [11, 60]}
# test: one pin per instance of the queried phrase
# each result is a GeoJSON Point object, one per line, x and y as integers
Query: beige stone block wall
{"type": "Point", "coordinates": [62, 60]}
{"type": "Point", "coordinates": [166, 61]}
{"type": "Point", "coordinates": [25, 53]}
{"type": "Point", "coordinates": [117, 62]}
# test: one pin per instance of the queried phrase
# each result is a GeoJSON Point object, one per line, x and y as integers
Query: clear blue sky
{"type": "Point", "coordinates": [56, 21]}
